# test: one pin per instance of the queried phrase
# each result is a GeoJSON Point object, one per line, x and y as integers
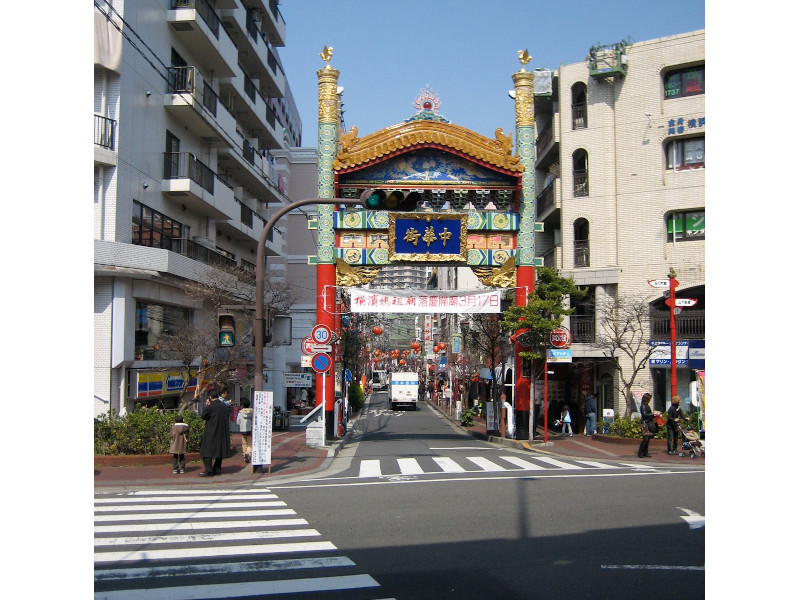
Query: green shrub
{"type": "Point", "coordinates": [143, 431]}
{"type": "Point", "coordinates": [632, 428]}
{"type": "Point", "coordinates": [468, 418]}
{"type": "Point", "coordinates": [355, 396]}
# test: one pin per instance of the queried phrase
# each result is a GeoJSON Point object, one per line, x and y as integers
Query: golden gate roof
{"type": "Point", "coordinates": [360, 152]}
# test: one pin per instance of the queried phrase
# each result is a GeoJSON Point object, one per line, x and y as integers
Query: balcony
{"type": "Point", "coordinates": [251, 170]}
{"type": "Point", "coordinates": [270, 20]}
{"type": "Point", "coordinates": [581, 254]}
{"type": "Point", "coordinates": [202, 253]}
{"type": "Point", "coordinates": [552, 258]}
{"type": "Point", "coordinates": [105, 136]}
{"type": "Point", "coordinates": [246, 229]}
{"type": "Point", "coordinates": [548, 201]}
{"type": "Point", "coordinates": [255, 55]}
{"type": "Point", "coordinates": [582, 328]}
{"type": "Point", "coordinates": [252, 111]}
{"type": "Point", "coordinates": [199, 28]}
{"type": "Point", "coordinates": [187, 178]}
{"type": "Point", "coordinates": [689, 325]}
{"type": "Point", "coordinates": [580, 183]}
{"type": "Point", "coordinates": [195, 104]}
{"type": "Point", "coordinates": [547, 142]}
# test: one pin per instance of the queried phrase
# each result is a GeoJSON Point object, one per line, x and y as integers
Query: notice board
{"type": "Point", "coordinates": [262, 428]}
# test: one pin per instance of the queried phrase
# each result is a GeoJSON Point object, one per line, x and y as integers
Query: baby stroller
{"type": "Point", "coordinates": [692, 444]}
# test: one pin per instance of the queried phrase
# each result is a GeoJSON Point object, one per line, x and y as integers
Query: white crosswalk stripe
{"type": "Point", "coordinates": [471, 464]}
{"type": "Point", "coordinates": [151, 546]}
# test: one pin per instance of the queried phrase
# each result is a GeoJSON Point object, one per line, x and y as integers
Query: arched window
{"type": "Point", "coordinates": [580, 173]}
{"type": "Point", "coordinates": [581, 236]}
{"type": "Point", "coordinates": [579, 116]}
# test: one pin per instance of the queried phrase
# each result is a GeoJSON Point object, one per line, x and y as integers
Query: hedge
{"type": "Point", "coordinates": [143, 431]}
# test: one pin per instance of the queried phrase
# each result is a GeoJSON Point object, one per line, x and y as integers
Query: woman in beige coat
{"type": "Point", "coordinates": [245, 422]}
{"type": "Point", "coordinates": [177, 445]}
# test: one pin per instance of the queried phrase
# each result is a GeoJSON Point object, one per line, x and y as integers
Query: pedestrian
{"type": "Point", "coordinates": [590, 412]}
{"type": "Point", "coordinates": [566, 422]}
{"type": "Point", "coordinates": [649, 426]}
{"type": "Point", "coordinates": [245, 422]}
{"type": "Point", "coordinates": [223, 397]}
{"type": "Point", "coordinates": [674, 415]}
{"type": "Point", "coordinates": [216, 441]}
{"type": "Point", "coordinates": [177, 445]}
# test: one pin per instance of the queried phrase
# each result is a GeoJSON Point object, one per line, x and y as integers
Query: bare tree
{"type": "Point", "coordinates": [194, 346]}
{"type": "Point", "coordinates": [624, 332]}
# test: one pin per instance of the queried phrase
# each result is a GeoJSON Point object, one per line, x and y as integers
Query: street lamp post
{"type": "Point", "coordinates": [258, 321]}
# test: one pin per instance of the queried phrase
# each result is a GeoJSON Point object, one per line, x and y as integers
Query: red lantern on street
{"type": "Point", "coordinates": [402, 361]}
{"type": "Point", "coordinates": [377, 330]}
{"type": "Point", "coordinates": [377, 353]}
{"type": "Point", "coordinates": [442, 346]}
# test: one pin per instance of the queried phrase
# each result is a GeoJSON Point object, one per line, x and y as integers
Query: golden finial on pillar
{"type": "Point", "coordinates": [524, 57]}
{"type": "Point", "coordinates": [326, 54]}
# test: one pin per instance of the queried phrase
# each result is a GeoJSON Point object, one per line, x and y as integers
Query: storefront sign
{"type": "Point", "coordinates": [559, 356]}
{"type": "Point", "coordinates": [297, 380]}
{"type": "Point", "coordinates": [662, 354]}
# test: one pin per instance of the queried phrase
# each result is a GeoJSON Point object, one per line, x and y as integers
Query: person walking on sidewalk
{"type": "Point", "coordinates": [566, 422]}
{"type": "Point", "coordinates": [674, 415]}
{"type": "Point", "coordinates": [590, 412]}
{"type": "Point", "coordinates": [245, 422]}
{"type": "Point", "coordinates": [216, 440]}
{"type": "Point", "coordinates": [177, 445]}
{"type": "Point", "coordinates": [649, 426]}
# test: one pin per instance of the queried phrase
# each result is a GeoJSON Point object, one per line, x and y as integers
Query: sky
{"type": "Point", "coordinates": [466, 51]}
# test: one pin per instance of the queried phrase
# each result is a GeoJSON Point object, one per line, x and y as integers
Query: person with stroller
{"type": "Point", "coordinates": [674, 416]}
{"type": "Point", "coordinates": [649, 425]}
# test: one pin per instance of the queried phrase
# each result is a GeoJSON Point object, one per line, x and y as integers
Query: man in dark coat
{"type": "Point", "coordinates": [590, 412]}
{"type": "Point", "coordinates": [216, 441]}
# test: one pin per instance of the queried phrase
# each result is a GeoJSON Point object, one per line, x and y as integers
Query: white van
{"type": "Point", "coordinates": [404, 389]}
{"type": "Point", "coordinates": [378, 380]}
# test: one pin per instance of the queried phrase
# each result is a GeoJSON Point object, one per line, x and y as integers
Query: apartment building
{"type": "Point", "coordinates": [620, 180]}
{"type": "Point", "coordinates": [190, 106]}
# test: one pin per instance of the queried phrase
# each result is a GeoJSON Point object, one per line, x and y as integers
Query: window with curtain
{"type": "Point", "coordinates": [689, 153]}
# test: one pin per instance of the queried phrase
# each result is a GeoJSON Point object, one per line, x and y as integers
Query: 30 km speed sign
{"type": "Point", "coordinates": [321, 334]}
{"type": "Point", "coordinates": [560, 337]}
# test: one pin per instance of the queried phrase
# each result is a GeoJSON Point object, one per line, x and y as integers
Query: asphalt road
{"type": "Point", "coordinates": [423, 532]}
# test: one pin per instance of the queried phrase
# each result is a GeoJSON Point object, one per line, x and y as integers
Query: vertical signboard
{"type": "Point", "coordinates": [262, 429]}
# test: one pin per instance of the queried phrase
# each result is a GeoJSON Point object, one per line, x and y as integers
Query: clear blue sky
{"type": "Point", "coordinates": [387, 51]}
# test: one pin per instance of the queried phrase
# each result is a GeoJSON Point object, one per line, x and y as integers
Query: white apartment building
{"type": "Point", "coordinates": [620, 180]}
{"type": "Point", "coordinates": [190, 105]}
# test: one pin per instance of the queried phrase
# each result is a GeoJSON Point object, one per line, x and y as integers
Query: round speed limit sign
{"type": "Point", "coordinates": [321, 334]}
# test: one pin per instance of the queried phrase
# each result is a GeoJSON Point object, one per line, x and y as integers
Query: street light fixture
{"type": "Point", "coordinates": [258, 321]}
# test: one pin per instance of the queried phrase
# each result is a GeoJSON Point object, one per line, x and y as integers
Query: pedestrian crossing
{"type": "Point", "coordinates": [427, 465]}
{"type": "Point", "coordinates": [213, 544]}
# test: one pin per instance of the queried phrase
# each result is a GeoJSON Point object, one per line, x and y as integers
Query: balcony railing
{"type": "Point", "coordinates": [181, 165]}
{"type": "Point", "coordinates": [180, 80]}
{"type": "Point", "coordinates": [580, 180]}
{"type": "Point", "coordinates": [549, 258]}
{"type": "Point", "coordinates": [246, 215]}
{"type": "Point", "coordinates": [104, 131]}
{"type": "Point", "coordinates": [579, 116]}
{"type": "Point", "coordinates": [581, 253]}
{"type": "Point", "coordinates": [203, 9]}
{"type": "Point", "coordinates": [544, 139]}
{"type": "Point", "coordinates": [546, 200]}
{"type": "Point", "coordinates": [201, 253]}
{"type": "Point", "coordinates": [248, 152]}
{"type": "Point", "coordinates": [689, 325]}
{"type": "Point", "coordinates": [582, 328]}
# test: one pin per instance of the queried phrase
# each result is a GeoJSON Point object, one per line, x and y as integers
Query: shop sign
{"type": "Point", "coordinates": [559, 356]}
{"type": "Point", "coordinates": [297, 380]}
{"type": "Point", "coordinates": [662, 354]}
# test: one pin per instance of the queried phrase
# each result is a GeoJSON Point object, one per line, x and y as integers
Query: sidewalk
{"type": "Point", "coordinates": [291, 457]}
{"type": "Point", "coordinates": [597, 446]}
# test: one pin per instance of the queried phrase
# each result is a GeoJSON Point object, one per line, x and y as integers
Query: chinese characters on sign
{"type": "Point", "coordinates": [418, 301]}
{"type": "Point", "coordinates": [262, 428]}
{"type": "Point", "coordinates": [428, 237]}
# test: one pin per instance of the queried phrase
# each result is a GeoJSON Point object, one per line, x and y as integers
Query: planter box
{"type": "Point", "coordinates": [613, 439]}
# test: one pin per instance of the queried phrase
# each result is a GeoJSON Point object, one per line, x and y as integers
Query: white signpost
{"type": "Point", "coordinates": [659, 283]}
{"type": "Point", "coordinates": [262, 430]}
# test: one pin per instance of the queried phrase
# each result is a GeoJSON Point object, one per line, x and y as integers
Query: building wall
{"type": "Point", "coordinates": [630, 189]}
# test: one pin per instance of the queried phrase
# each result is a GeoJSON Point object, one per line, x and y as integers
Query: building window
{"type": "Point", "coordinates": [688, 153]}
{"type": "Point", "coordinates": [154, 321]}
{"type": "Point", "coordinates": [151, 228]}
{"type": "Point", "coordinates": [579, 116]}
{"type": "Point", "coordinates": [580, 173]}
{"type": "Point", "coordinates": [683, 226]}
{"type": "Point", "coordinates": [685, 82]}
{"type": "Point", "coordinates": [581, 235]}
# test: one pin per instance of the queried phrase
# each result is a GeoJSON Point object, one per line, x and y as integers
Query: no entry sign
{"type": "Point", "coordinates": [560, 338]}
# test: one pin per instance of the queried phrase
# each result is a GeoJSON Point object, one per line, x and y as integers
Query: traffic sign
{"type": "Point", "coordinates": [659, 283]}
{"type": "Point", "coordinates": [677, 310]}
{"type": "Point", "coordinates": [320, 362]}
{"type": "Point", "coordinates": [311, 347]}
{"type": "Point", "coordinates": [560, 337]}
{"type": "Point", "coordinates": [685, 301]}
{"type": "Point", "coordinates": [321, 334]}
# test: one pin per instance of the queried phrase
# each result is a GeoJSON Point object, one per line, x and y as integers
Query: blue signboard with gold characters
{"type": "Point", "coordinates": [428, 237]}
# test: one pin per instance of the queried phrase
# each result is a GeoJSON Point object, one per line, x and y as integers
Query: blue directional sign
{"type": "Point", "coordinates": [320, 362]}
